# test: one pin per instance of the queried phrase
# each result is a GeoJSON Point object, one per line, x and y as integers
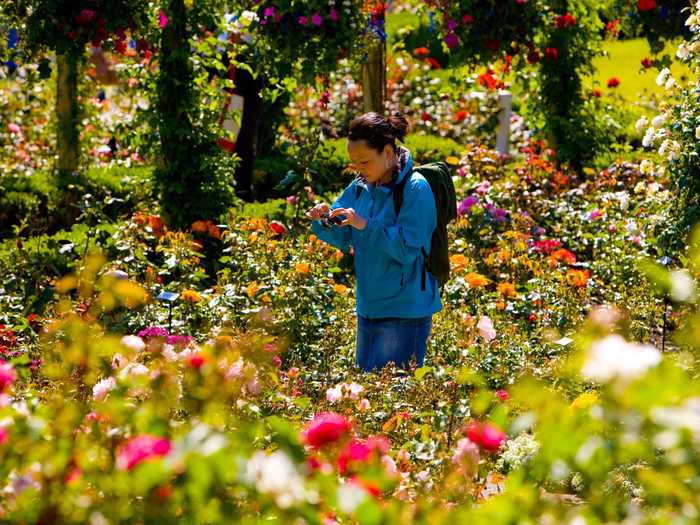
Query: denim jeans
{"type": "Point", "coordinates": [380, 341]}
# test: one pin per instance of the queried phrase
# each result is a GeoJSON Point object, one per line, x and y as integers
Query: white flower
{"type": "Point", "coordinates": [613, 357]}
{"type": "Point", "coordinates": [334, 394]}
{"type": "Point", "coordinates": [682, 286]}
{"type": "Point", "coordinates": [662, 76]}
{"type": "Point", "coordinates": [350, 496]}
{"type": "Point", "coordinates": [276, 475]}
{"type": "Point", "coordinates": [670, 83]}
{"type": "Point", "coordinates": [641, 124]}
{"type": "Point", "coordinates": [133, 370]}
{"type": "Point", "coordinates": [649, 137]}
{"type": "Point", "coordinates": [682, 51]}
{"type": "Point", "coordinates": [486, 329]}
{"type": "Point", "coordinates": [517, 452]}
{"type": "Point", "coordinates": [133, 342]}
{"type": "Point", "coordinates": [102, 388]}
{"type": "Point", "coordinates": [677, 417]}
{"type": "Point", "coordinates": [697, 133]}
{"type": "Point", "coordinates": [646, 167]}
{"type": "Point", "coordinates": [658, 121]}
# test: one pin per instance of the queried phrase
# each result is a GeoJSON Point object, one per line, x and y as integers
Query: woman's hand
{"type": "Point", "coordinates": [318, 212]}
{"type": "Point", "coordinates": [349, 218]}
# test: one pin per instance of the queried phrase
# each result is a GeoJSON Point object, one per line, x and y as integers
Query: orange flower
{"type": "Point", "coordinates": [562, 254]}
{"type": "Point", "coordinates": [213, 231]}
{"type": "Point", "coordinates": [475, 280]}
{"type": "Point", "coordinates": [577, 278]}
{"type": "Point", "coordinates": [199, 226]}
{"type": "Point", "coordinates": [252, 289]}
{"type": "Point", "coordinates": [507, 289]}
{"type": "Point", "coordinates": [190, 296]}
{"type": "Point", "coordinates": [302, 268]}
{"type": "Point", "coordinates": [340, 289]}
{"type": "Point", "coordinates": [459, 261]}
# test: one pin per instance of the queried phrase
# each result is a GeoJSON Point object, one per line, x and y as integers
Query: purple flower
{"type": "Point", "coordinates": [499, 214]}
{"type": "Point", "coordinates": [316, 20]}
{"type": "Point", "coordinates": [451, 25]}
{"type": "Point", "coordinates": [451, 40]}
{"type": "Point", "coordinates": [303, 20]}
{"type": "Point", "coordinates": [333, 14]}
{"type": "Point", "coordinates": [153, 331]}
{"type": "Point", "coordinates": [465, 206]}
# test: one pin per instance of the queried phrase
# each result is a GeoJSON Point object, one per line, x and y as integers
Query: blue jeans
{"type": "Point", "coordinates": [380, 341]}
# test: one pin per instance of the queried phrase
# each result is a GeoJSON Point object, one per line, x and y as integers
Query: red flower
{"type": "Point", "coordinates": [564, 21]}
{"type": "Point", "coordinates": [85, 17]}
{"type": "Point", "coordinates": [647, 62]}
{"type": "Point", "coordinates": [277, 227]}
{"type": "Point", "coordinates": [434, 64]}
{"type": "Point", "coordinates": [597, 93]}
{"type": "Point", "coordinates": [613, 82]}
{"type": "Point", "coordinates": [552, 53]}
{"type": "Point", "coordinates": [325, 428]}
{"type": "Point", "coordinates": [421, 52]}
{"type": "Point", "coordinates": [546, 245]}
{"type": "Point", "coordinates": [461, 115]}
{"type": "Point", "coordinates": [467, 19]}
{"type": "Point", "coordinates": [492, 44]}
{"type": "Point", "coordinates": [196, 361]}
{"type": "Point", "coordinates": [488, 80]}
{"type": "Point", "coordinates": [646, 5]}
{"type": "Point", "coordinates": [425, 117]}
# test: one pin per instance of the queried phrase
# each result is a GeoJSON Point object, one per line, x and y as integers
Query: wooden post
{"type": "Point", "coordinates": [505, 104]}
{"type": "Point", "coordinates": [67, 139]}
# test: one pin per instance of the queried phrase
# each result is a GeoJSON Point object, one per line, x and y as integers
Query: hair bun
{"type": "Point", "coordinates": [399, 124]}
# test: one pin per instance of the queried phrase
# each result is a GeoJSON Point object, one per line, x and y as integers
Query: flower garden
{"type": "Point", "coordinates": [176, 346]}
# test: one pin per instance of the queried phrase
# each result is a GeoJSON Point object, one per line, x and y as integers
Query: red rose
{"type": "Point", "coordinates": [325, 428]}
{"type": "Point", "coordinates": [613, 82]}
{"type": "Point", "coordinates": [421, 52]}
{"type": "Point", "coordinates": [552, 53]}
{"type": "Point", "coordinates": [646, 5]}
{"type": "Point", "coordinates": [487, 435]}
{"type": "Point", "coordinates": [467, 19]}
{"type": "Point", "coordinates": [647, 62]}
{"type": "Point", "coordinates": [503, 395]}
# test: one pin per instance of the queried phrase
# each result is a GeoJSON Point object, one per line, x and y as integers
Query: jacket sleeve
{"type": "Point", "coordinates": [414, 226]}
{"type": "Point", "coordinates": [338, 236]}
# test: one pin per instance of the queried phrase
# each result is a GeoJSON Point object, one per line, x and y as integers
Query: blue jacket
{"type": "Point", "coordinates": [388, 257]}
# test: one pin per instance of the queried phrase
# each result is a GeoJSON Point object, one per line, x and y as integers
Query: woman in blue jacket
{"type": "Point", "coordinates": [394, 315]}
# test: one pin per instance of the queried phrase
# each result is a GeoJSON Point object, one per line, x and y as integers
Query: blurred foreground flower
{"type": "Point", "coordinates": [613, 357]}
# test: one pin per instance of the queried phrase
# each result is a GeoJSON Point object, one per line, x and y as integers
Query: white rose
{"type": "Point", "coordinates": [658, 121]}
{"type": "Point", "coordinates": [641, 124]}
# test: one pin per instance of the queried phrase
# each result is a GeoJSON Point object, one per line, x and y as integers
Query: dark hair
{"type": "Point", "coordinates": [377, 130]}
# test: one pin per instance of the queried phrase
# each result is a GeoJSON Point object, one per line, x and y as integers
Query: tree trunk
{"type": "Point", "coordinates": [374, 76]}
{"type": "Point", "coordinates": [67, 140]}
{"type": "Point", "coordinates": [249, 88]}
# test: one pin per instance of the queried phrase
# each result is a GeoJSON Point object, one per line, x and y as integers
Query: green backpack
{"type": "Point", "coordinates": [438, 175]}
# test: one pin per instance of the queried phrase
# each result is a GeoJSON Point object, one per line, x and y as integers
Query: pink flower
{"type": "Point", "coordinates": [333, 15]}
{"type": "Point", "coordinates": [162, 19]}
{"type": "Point", "coordinates": [503, 395]}
{"type": "Point", "coordinates": [467, 452]}
{"type": "Point", "coordinates": [4, 435]}
{"type": "Point", "coordinates": [141, 448]}
{"type": "Point", "coordinates": [486, 329]}
{"type": "Point", "coordinates": [487, 435]}
{"type": "Point", "coordinates": [325, 428]}
{"type": "Point", "coordinates": [102, 388]}
{"type": "Point", "coordinates": [364, 405]}
{"type": "Point", "coordinates": [7, 375]}
{"type": "Point", "coordinates": [293, 200]}
{"type": "Point", "coordinates": [269, 12]}
{"type": "Point", "coordinates": [303, 20]}
{"type": "Point", "coordinates": [14, 128]}
{"type": "Point", "coordinates": [316, 20]}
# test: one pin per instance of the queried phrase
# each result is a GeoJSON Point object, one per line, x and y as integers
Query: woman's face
{"type": "Point", "coordinates": [372, 164]}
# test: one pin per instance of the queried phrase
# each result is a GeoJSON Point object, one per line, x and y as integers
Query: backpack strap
{"type": "Point", "coordinates": [398, 201]}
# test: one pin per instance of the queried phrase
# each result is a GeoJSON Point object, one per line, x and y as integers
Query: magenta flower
{"type": "Point", "coordinates": [303, 20]}
{"type": "Point", "coordinates": [269, 12]}
{"type": "Point", "coordinates": [317, 20]}
{"type": "Point", "coordinates": [325, 428]}
{"type": "Point", "coordinates": [333, 15]}
{"type": "Point", "coordinates": [465, 206]}
{"type": "Point", "coordinates": [451, 25]}
{"type": "Point", "coordinates": [141, 448]}
{"type": "Point", "coordinates": [7, 375]}
{"type": "Point", "coordinates": [452, 40]}
{"type": "Point", "coordinates": [162, 19]}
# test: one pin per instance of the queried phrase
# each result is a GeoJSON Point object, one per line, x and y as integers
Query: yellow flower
{"type": "Point", "coordinates": [475, 280]}
{"type": "Point", "coordinates": [266, 298]}
{"type": "Point", "coordinates": [190, 296]}
{"type": "Point", "coordinates": [507, 289]}
{"type": "Point", "coordinates": [585, 400]}
{"type": "Point", "coordinates": [302, 268]}
{"type": "Point", "coordinates": [252, 289]}
{"type": "Point", "coordinates": [454, 161]}
{"type": "Point", "coordinates": [340, 289]}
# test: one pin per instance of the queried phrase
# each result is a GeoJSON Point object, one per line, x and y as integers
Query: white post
{"type": "Point", "coordinates": [505, 104]}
